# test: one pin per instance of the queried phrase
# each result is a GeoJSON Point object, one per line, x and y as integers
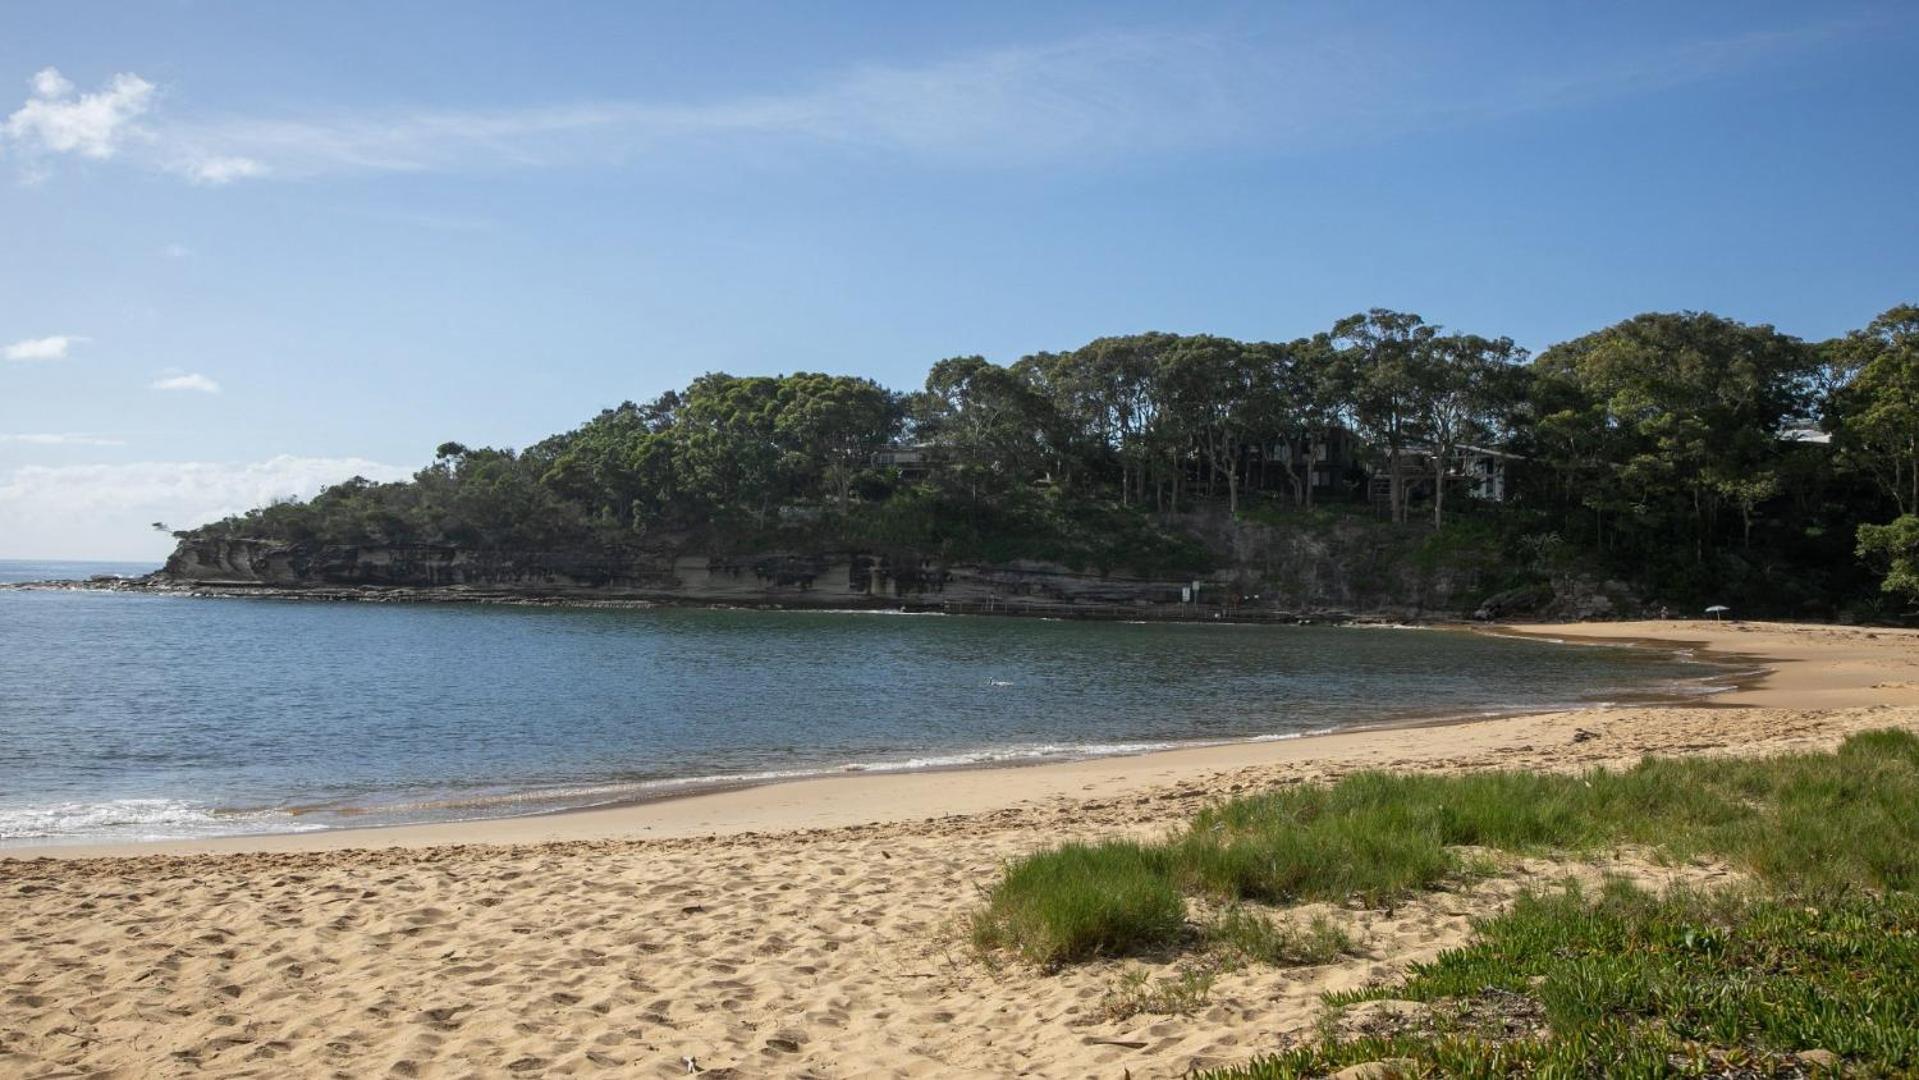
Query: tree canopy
{"type": "Point", "coordinates": [1698, 456]}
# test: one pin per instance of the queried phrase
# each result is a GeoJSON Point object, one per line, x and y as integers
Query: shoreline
{"type": "Point", "coordinates": [808, 929]}
{"type": "Point", "coordinates": [645, 600]}
{"type": "Point", "coordinates": [854, 797]}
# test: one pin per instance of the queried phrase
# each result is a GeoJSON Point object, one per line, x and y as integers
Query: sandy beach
{"type": "Point", "coordinates": [812, 928]}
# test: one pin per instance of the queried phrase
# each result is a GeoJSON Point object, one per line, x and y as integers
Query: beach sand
{"type": "Point", "coordinates": [812, 929]}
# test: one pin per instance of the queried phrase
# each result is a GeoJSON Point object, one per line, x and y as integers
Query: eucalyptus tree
{"type": "Point", "coordinates": [1686, 411]}
{"type": "Point", "coordinates": [1876, 413]}
{"type": "Point", "coordinates": [725, 453]}
{"type": "Point", "coordinates": [832, 425]}
{"type": "Point", "coordinates": [1118, 378]}
{"type": "Point", "coordinates": [1380, 353]}
{"type": "Point", "coordinates": [1220, 391]}
{"type": "Point", "coordinates": [986, 423]}
{"type": "Point", "coordinates": [1456, 396]}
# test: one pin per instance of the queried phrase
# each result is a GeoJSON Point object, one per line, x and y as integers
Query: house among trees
{"type": "Point", "coordinates": [912, 460]}
{"type": "Point", "coordinates": [1478, 472]}
{"type": "Point", "coordinates": [1311, 466]}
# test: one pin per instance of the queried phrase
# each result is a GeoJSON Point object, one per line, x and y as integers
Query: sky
{"type": "Point", "coordinates": [250, 249]}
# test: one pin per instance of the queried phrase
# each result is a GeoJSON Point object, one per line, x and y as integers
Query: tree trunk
{"type": "Point", "coordinates": [1312, 464]}
{"type": "Point", "coordinates": [1439, 487]}
{"type": "Point", "coordinates": [1395, 487]}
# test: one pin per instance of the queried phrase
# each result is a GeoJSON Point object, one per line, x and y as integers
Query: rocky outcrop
{"type": "Point", "coordinates": [792, 578]}
{"type": "Point", "coordinates": [1571, 599]}
{"type": "Point", "coordinates": [1346, 565]}
{"type": "Point", "coordinates": [240, 563]}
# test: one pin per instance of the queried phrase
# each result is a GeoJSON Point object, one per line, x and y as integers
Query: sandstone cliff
{"type": "Point", "coordinates": [1347, 565]}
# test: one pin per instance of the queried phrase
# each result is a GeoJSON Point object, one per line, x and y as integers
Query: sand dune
{"type": "Point", "coordinates": [806, 930]}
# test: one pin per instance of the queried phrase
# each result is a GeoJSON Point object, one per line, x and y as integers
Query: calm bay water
{"type": "Point", "coordinates": [128, 716]}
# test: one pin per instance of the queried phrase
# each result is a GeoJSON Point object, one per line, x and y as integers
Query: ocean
{"type": "Point", "coordinates": [126, 716]}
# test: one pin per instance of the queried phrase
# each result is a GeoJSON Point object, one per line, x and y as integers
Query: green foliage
{"type": "Point", "coordinates": [1876, 407]}
{"type": "Point", "coordinates": [1897, 546]}
{"type": "Point", "coordinates": [1688, 983]}
{"type": "Point", "coordinates": [1660, 450]}
{"type": "Point", "coordinates": [1685, 984]}
{"type": "Point", "coordinates": [1719, 968]}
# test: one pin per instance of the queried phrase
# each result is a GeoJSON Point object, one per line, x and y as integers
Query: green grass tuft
{"type": "Point", "coordinates": [1180, 994]}
{"type": "Point", "coordinates": [1080, 901]}
{"type": "Point", "coordinates": [1249, 936]}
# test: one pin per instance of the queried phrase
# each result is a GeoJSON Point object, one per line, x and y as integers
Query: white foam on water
{"type": "Point", "coordinates": [137, 819]}
{"type": "Point", "coordinates": [857, 611]}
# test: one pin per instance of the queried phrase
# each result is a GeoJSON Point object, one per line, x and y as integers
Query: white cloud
{"type": "Point", "coordinates": [67, 439]}
{"type": "Point", "coordinates": [214, 170]}
{"type": "Point", "coordinates": [186, 380]}
{"type": "Point", "coordinates": [53, 347]}
{"type": "Point", "coordinates": [48, 83]}
{"type": "Point", "coordinates": [106, 511]}
{"type": "Point", "coordinates": [56, 120]}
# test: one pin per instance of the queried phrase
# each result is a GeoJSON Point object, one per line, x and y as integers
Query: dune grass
{"type": "Point", "coordinates": [1805, 823]}
{"type": "Point", "coordinates": [1081, 900]}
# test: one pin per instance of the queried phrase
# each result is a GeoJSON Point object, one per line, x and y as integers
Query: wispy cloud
{"type": "Point", "coordinates": [105, 511]}
{"type": "Point", "coordinates": [1086, 95]}
{"type": "Point", "coordinates": [1083, 99]}
{"type": "Point", "coordinates": [52, 347]}
{"type": "Point", "coordinates": [185, 380]}
{"type": "Point", "coordinates": [65, 439]}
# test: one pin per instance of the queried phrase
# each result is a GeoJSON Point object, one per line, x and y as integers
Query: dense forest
{"type": "Point", "coordinates": [1698, 458]}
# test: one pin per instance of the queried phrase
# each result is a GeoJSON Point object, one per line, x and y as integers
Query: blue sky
{"type": "Point", "coordinates": [252, 248]}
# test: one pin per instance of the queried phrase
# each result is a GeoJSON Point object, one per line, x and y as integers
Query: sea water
{"type": "Point", "coordinates": [131, 716]}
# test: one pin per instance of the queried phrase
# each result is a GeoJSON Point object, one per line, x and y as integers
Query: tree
{"type": "Point", "coordinates": [1113, 383]}
{"type": "Point", "coordinates": [1680, 410]}
{"type": "Point", "coordinates": [1877, 410]}
{"type": "Point", "coordinates": [725, 453]}
{"type": "Point", "coordinates": [1455, 393]}
{"type": "Point", "coordinates": [1219, 391]}
{"type": "Point", "coordinates": [1896, 546]}
{"type": "Point", "coordinates": [1379, 353]}
{"type": "Point", "coordinates": [1310, 399]}
{"type": "Point", "coordinates": [986, 423]}
{"type": "Point", "coordinates": [836, 423]}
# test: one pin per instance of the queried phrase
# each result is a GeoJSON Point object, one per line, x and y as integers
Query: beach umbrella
{"type": "Point", "coordinates": [1717, 610]}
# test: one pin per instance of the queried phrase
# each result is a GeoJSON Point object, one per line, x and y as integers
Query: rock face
{"type": "Point", "coordinates": [811, 579]}
{"type": "Point", "coordinates": [223, 561]}
{"type": "Point", "coordinates": [1349, 566]}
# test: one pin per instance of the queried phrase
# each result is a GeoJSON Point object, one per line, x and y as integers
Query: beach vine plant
{"type": "Point", "coordinates": [1818, 950]}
